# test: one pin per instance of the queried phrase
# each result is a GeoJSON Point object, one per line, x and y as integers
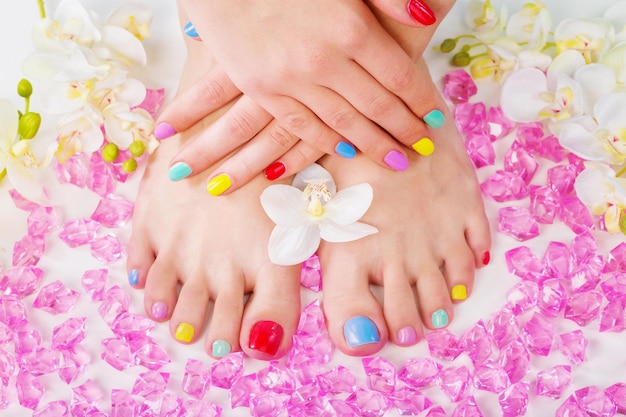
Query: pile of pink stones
{"type": "Point", "coordinates": [568, 281]}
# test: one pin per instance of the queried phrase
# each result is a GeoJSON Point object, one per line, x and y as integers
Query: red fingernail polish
{"type": "Point", "coordinates": [421, 13]}
{"type": "Point", "coordinates": [486, 258]}
{"type": "Point", "coordinates": [265, 336]}
{"type": "Point", "coordinates": [274, 171]}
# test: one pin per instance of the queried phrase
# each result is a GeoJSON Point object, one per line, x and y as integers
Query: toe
{"type": "Point", "coordinates": [459, 273]}
{"type": "Point", "coordinates": [190, 311]}
{"type": "Point", "coordinates": [223, 333]}
{"type": "Point", "coordinates": [139, 260]}
{"type": "Point", "coordinates": [160, 292]}
{"type": "Point", "coordinates": [478, 236]}
{"type": "Point", "coordinates": [434, 301]}
{"type": "Point", "coordinates": [400, 308]}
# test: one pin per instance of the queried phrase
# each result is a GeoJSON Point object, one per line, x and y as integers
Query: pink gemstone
{"type": "Point", "coordinates": [570, 408]}
{"type": "Point", "coordinates": [617, 394]}
{"type": "Point", "coordinates": [75, 170]}
{"type": "Point", "coordinates": [21, 202]}
{"type": "Point", "coordinates": [243, 390]}
{"type": "Point", "coordinates": [551, 297]}
{"type": "Point", "coordinates": [39, 361]}
{"type": "Point", "coordinates": [277, 378]}
{"type": "Point", "coordinates": [561, 179]}
{"type": "Point", "coordinates": [539, 332]}
{"type": "Point", "coordinates": [300, 361]}
{"type": "Point", "coordinates": [467, 408]}
{"type": "Point", "coordinates": [503, 328]}
{"type": "Point", "coordinates": [490, 376]}
{"type": "Point", "coordinates": [337, 380]}
{"type": "Point", "coordinates": [522, 297]}
{"type": "Point", "coordinates": [518, 160]}
{"type": "Point", "coordinates": [21, 281]}
{"type": "Point", "coordinates": [99, 180]}
{"type": "Point", "coordinates": [226, 370]}
{"type": "Point", "coordinates": [53, 409]}
{"type": "Point", "coordinates": [27, 337]}
{"type": "Point", "coordinates": [530, 135]}
{"type": "Point", "coordinates": [107, 249]}
{"type": "Point", "coordinates": [442, 344]}
{"type": "Point", "coordinates": [72, 363]}
{"type": "Point", "coordinates": [420, 372]}
{"type": "Point", "coordinates": [311, 274]}
{"type": "Point", "coordinates": [43, 220]}
{"type": "Point", "coordinates": [522, 262]}
{"type": "Point", "coordinates": [123, 404]}
{"type": "Point", "coordinates": [616, 261]}
{"type": "Point", "coordinates": [78, 232]}
{"type": "Point", "coordinates": [551, 149]}
{"type": "Point", "coordinates": [93, 282]}
{"type": "Point", "coordinates": [554, 381]}
{"type": "Point", "coordinates": [7, 367]}
{"type": "Point", "coordinates": [586, 277]}
{"type": "Point", "coordinates": [148, 353]}
{"type": "Point", "coordinates": [85, 398]}
{"type": "Point", "coordinates": [471, 117]}
{"type": "Point", "coordinates": [200, 408]}
{"type": "Point", "coordinates": [409, 401]}
{"type": "Point", "coordinates": [595, 402]}
{"type": "Point", "coordinates": [515, 360]}
{"type": "Point", "coordinates": [584, 248]}
{"type": "Point", "coordinates": [268, 403]}
{"type": "Point", "coordinates": [197, 379]}
{"type": "Point", "coordinates": [581, 308]}
{"type": "Point", "coordinates": [455, 383]}
{"type": "Point", "coordinates": [504, 186]}
{"type": "Point", "coordinates": [612, 316]}
{"type": "Point", "coordinates": [150, 385]}
{"type": "Point", "coordinates": [437, 411]}
{"type": "Point", "coordinates": [116, 352]}
{"type": "Point", "coordinates": [369, 403]}
{"type": "Point", "coordinates": [380, 374]}
{"type": "Point", "coordinates": [113, 211]}
{"type": "Point", "coordinates": [129, 325]}
{"type": "Point", "coordinates": [12, 310]}
{"type": "Point", "coordinates": [573, 346]}
{"type": "Point", "coordinates": [340, 408]}
{"type": "Point", "coordinates": [480, 149]}
{"type": "Point", "coordinates": [458, 86]}
{"type": "Point", "coordinates": [56, 298]}
{"type": "Point", "coordinates": [29, 390]}
{"type": "Point", "coordinates": [28, 250]}
{"type": "Point", "coordinates": [171, 406]}
{"type": "Point", "coordinates": [115, 302]}
{"type": "Point", "coordinates": [545, 204]}
{"type": "Point", "coordinates": [614, 286]}
{"type": "Point", "coordinates": [576, 215]}
{"type": "Point", "coordinates": [557, 259]}
{"type": "Point", "coordinates": [518, 223]}
{"type": "Point", "coordinates": [514, 400]}
{"type": "Point", "coordinates": [499, 124]}
{"type": "Point", "coordinates": [153, 101]}
{"type": "Point", "coordinates": [476, 343]}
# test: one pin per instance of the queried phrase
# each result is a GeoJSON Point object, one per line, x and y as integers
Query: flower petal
{"type": "Point", "coordinates": [349, 204]}
{"type": "Point", "coordinates": [580, 141]}
{"type": "Point", "coordinates": [521, 95]}
{"type": "Point", "coordinates": [314, 172]}
{"type": "Point", "coordinates": [8, 124]}
{"type": "Point", "coordinates": [284, 205]}
{"type": "Point", "coordinates": [333, 232]}
{"type": "Point", "coordinates": [291, 246]}
{"type": "Point", "coordinates": [25, 182]}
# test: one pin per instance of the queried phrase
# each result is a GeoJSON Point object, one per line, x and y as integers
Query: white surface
{"type": "Point", "coordinates": [606, 362]}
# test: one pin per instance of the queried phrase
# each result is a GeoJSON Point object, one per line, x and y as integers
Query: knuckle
{"type": "Point", "coordinates": [354, 34]}
{"type": "Point", "coordinates": [281, 136]}
{"type": "Point", "coordinates": [342, 120]}
{"type": "Point", "coordinates": [212, 92]}
{"type": "Point", "coordinates": [239, 125]}
{"type": "Point", "coordinates": [382, 104]}
{"type": "Point", "coordinates": [402, 79]}
{"type": "Point", "coordinates": [294, 121]}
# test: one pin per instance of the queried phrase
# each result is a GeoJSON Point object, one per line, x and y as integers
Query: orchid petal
{"type": "Point", "coordinates": [284, 205]}
{"type": "Point", "coordinates": [314, 172]}
{"type": "Point", "coordinates": [580, 141]}
{"type": "Point", "coordinates": [521, 95]}
{"type": "Point", "coordinates": [24, 181]}
{"type": "Point", "coordinates": [8, 123]}
{"type": "Point", "coordinates": [615, 58]}
{"type": "Point", "coordinates": [122, 46]}
{"type": "Point", "coordinates": [566, 63]}
{"type": "Point", "coordinates": [610, 111]}
{"type": "Point", "coordinates": [588, 185]}
{"type": "Point", "coordinates": [334, 232]}
{"type": "Point", "coordinates": [616, 14]}
{"type": "Point", "coordinates": [294, 245]}
{"type": "Point", "coordinates": [596, 80]}
{"type": "Point", "coordinates": [350, 204]}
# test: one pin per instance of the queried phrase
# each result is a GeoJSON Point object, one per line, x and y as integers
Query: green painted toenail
{"type": "Point", "coordinates": [434, 119]}
{"type": "Point", "coordinates": [220, 348]}
{"type": "Point", "coordinates": [440, 319]}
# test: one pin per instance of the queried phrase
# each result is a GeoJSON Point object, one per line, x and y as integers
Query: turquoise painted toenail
{"type": "Point", "coordinates": [133, 277]}
{"type": "Point", "coordinates": [360, 331]}
{"type": "Point", "coordinates": [190, 30]}
{"type": "Point", "coordinates": [179, 171]}
{"type": "Point", "coordinates": [346, 150]}
{"type": "Point", "coordinates": [220, 348]}
{"type": "Point", "coordinates": [434, 119]}
{"type": "Point", "coordinates": [440, 319]}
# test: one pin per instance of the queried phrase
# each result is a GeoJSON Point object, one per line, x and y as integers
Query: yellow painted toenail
{"type": "Point", "coordinates": [424, 146]}
{"type": "Point", "coordinates": [217, 185]}
{"type": "Point", "coordinates": [184, 332]}
{"type": "Point", "coordinates": [458, 292]}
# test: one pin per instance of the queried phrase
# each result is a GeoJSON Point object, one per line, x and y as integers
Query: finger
{"type": "Point", "coordinates": [416, 13]}
{"type": "Point", "coordinates": [300, 156]}
{"type": "Point", "coordinates": [208, 94]}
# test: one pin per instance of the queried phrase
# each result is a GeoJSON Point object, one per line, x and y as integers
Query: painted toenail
{"type": "Point", "coordinates": [345, 149]}
{"type": "Point", "coordinates": [265, 336]}
{"type": "Point", "coordinates": [359, 331]}
{"type": "Point", "coordinates": [179, 171]}
{"type": "Point", "coordinates": [439, 319]}
{"type": "Point", "coordinates": [184, 332]}
{"type": "Point", "coordinates": [133, 277]}
{"type": "Point", "coordinates": [163, 131]}
{"type": "Point", "coordinates": [486, 258]}
{"type": "Point", "coordinates": [424, 147]}
{"type": "Point", "coordinates": [220, 348]}
{"type": "Point", "coordinates": [434, 119]}
{"type": "Point", "coordinates": [159, 310]}
{"type": "Point", "coordinates": [407, 336]}
{"type": "Point", "coordinates": [217, 185]}
{"type": "Point", "coordinates": [458, 292]}
{"type": "Point", "coordinates": [190, 31]}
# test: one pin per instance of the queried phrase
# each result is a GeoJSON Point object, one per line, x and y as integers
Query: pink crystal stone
{"type": "Point", "coordinates": [576, 215]}
{"type": "Point", "coordinates": [150, 385]}
{"type": "Point", "coordinates": [554, 381]}
{"type": "Point", "coordinates": [39, 361]}
{"type": "Point", "coordinates": [551, 149]}
{"type": "Point", "coordinates": [171, 406]}
{"type": "Point", "coordinates": [570, 408]}
{"type": "Point", "coordinates": [369, 403]}
{"type": "Point", "coordinates": [85, 398]}
{"type": "Point", "coordinates": [93, 282]}
{"type": "Point", "coordinates": [490, 376]}
{"type": "Point", "coordinates": [99, 180]}
{"type": "Point", "coordinates": [458, 86]}
{"type": "Point", "coordinates": [595, 402]}
{"type": "Point", "coordinates": [56, 298]}
{"type": "Point", "coordinates": [27, 337]}
{"type": "Point", "coordinates": [551, 297]}
{"type": "Point", "coordinates": [311, 274]}
{"type": "Point", "coordinates": [522, 297]}
{"type": "Point", "coordinates": [28, 250]}
{"type": "Point", "coordinates": [499, 124]}
{"type": "Point", "coordinates": [128, 325]}
{"type": "Point", "coordinates": [409, 401]}
{"type": "Point", "coordinates": [522, 262]}
{"type": "Point", "coordinates": [380, 374]}
{"type": "Point", "coordinates": [53, 409]}
{"type": "Point", "coordinates": [614, 286]}
{"type": "Point", "coordinates": [197, 379]}
{"type": "Point", "coordinates": [573, 346]}
{"type": "Point", "coordinates": [557, 260]}
{"type": "Point", "coordinates": [586, 277]}
{"type": "Point", "coordinates": [243, 390]}
{"type": "Point", "coordinates": [74, 171]}
{"type": "Point", "coordinates": [115, 302]}
{"type": "Point", "coordinates": [337, 380]}
{"type": "Point", "coordinates": [21, 281]}
{"type": "Point", "coordinates": [520, 161]}
{"type": "Point", "coordinates": [437, 411]}
{"type": "Point", "coordinates": [504, 186]}
{"type": "Point", "coordinates": [514, 400]}
{"type": "Point", "coordinates": [515, 360]}
{"type": "Point", "coordinates": [584, 248]}
{"type": "Point", "coordinates": [530, 135]}
{"type": "Point", "coordinates": [455, 382]}
{"type": "Point", "coordinates": [148, 353]}
{"type": "Point", "coordinates": [78, 232]}
{"type": "Point", "coordinates": [561, 179]}
{"type": "Point", "coordinates": [278, 378]}
{"type": "Point", "coordinates": [518, 223]}
{"type": "Point", "coordinates": [476, 343]}
{"type": "Point", "coordinates": [153, 101]}
{"type": "Point", "coordinates": [43, 220]}
{"type": "Point", "coordinates": [480, 149]}
{"type": "Point", "coordinates": [539, 332]}
{"type": "Point", "coordinates": [442, 344]}
{"type": "Point", "coordinates": [420, 372]}
{"type": "Point", "coordinates": [21, 202]}
{"type": "Point", "coordinates": [612, 316]}
{"type": "Point", "coordinates": [581, 308]}
{"type": "Point", "coordinates": [29, 390]}
{"type": "Point", "coordinates": [471, 117]}
{"type": "Point", "coordinates": [7, 366]}
{"type": "Point", "coordinates": [226, 370]}
{"type": "Point", "coordinates": [268, 404]}
{"type": "Point", "coordinates": [72, 363]}
{"type": "Point", "coordinates": [123, 403]}
{"type": "Point", "coordinates": [503, 328]}
{"type": "Point", "coordinates": [545, 203]}
{"type": "Point", "coordinates": [617, 394]}
{"type": "Point", "coordinates": [113, 211]}
{"type": "Point", "coordinates": [107, 249]}
{"type": "Point", "coordinates": [117, 353]}
{"type": "Point", "coordinates": [467, 408]}
{"type": "Point", "coordinates": [616, 261]}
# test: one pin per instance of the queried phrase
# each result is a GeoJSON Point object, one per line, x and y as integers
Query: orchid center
{"type": "Point", "coordinates": [315, 192]}
{"type": "Point", "coordinates": [614, 142]}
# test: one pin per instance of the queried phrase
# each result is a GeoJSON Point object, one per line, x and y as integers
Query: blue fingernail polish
{"type": "Point", "coordinates": [440, 319]}
{"type": "Point", "coordinates": [346, 150]}
{"type": "Point", "coordinates": [190, 30]}
{"type": "Point", "coordinates": [179, 171]}
{"type": "Point", "coordinates": [434, 119]}
{"type": "Point", "coordinates": [360, 331]}
{"type": "Point", "coordinates": [133, 277]}
{"type": "Point", "coordinates": [220, 348]}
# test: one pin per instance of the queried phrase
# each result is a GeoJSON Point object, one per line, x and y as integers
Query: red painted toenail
{"type": "Point", "coordinates": [265, 336]}
{"type": "Point", "coordinates": [486, 258]}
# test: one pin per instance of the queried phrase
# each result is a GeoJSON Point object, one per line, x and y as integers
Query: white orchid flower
{"type": "Point", "coordinates": [590, 37]}
{"type": "Point", "coordinates": [616, 15]}
{"type": "Point", "coordinates": [311, 210]}
{"type": "Point", "coordinates": [484, 20]}
{"type": "Point", "coordinates": [135, 17]}
{"type": "Point", "coordinates": [123, 126]}
{"type": "Point", "coordinates": [530, 25]}
{"type": "Point", "coordinates": [79, 131]}
{"type": "Point", "coordinates": [501, 58]}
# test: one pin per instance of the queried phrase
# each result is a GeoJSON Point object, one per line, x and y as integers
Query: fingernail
{"type": "Point", "coordinates": [159, 310]}
{"type": "Point", "coordinates": [220, 348]}
{"type": "Point", "coordinates": [434, 119]}
{"type": "Point", "coordinates": [424, 147]}
{"type": "Point", "coordinates": [265, 336]}
{"type": "Point", "coordinates": [191, 31]}
{"type": "Point", "coordinates": [407, 336]}
{"type": "Point", "coordinates": [360, 331]}
{"type": "Point", "coordinates": [486, 258]}
{"type": "Point", "coordinates": [133, 277]}
{"type": "Point", "coordinates": [179, 171]}
{"type": "Point", "coordinates": [345, 149]}
{"type": "Point", "coordinates": [218, 184]}
{"type": "Point", "coordinates": [396, 160]}
{"type": "Point", "coordinates": [458, 292]}
{"type": "Point", "coordinates": [274, 171]}
{"type": "Point", "coordinates": [184, 332]}
{"type": "Point", "coordinates": [164, 131]}
{"type": "Point", "coordinates": [439, 319]}
{"type": "Point", "coordinates": [421, 13]}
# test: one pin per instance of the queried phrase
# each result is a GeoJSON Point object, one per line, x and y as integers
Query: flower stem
{"type": "Point", "coordinates": [42, 9]}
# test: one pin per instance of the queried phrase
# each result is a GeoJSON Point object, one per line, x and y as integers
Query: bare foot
{"type": "Point", "coordinates": [433, 233]}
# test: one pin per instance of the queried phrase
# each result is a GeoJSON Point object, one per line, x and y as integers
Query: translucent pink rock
{"type": "Point", "coordinates": [519, 161]}
{"type": "Point", "coordinates": [337, 380]}
{"type": "Point", "coordinates": [123, 404]}
{"type": "Point", "coordinates": [243, 390]}
{"type": "Point", "coordinates": [616, 261]}
{"type": "Point", "coordinates": [94, 282]}
{"type": "Point", "coordinates": [595, 402]}
{"type": "Point", "coordinates": [28, 250]}
{"type": "Point", "coordinates": [39, 361]}
{"type": "Point", "coordinates": [539, 332]}
{"type": "Point", "coordinates": [576, 215]}
{"type": "Point", "coordinates": [115, 302]}
{"type": "Point", "coordinates": [455, 382]}
{"type": "Point", "coordinates": [197, 378]}
{"type": "Point", "coordinates": [545, 204]}
{"type": "Point", "coordinates": [278, 378]}
{"type": "Point", "coordinates": [369, 403]}
{"type": "Point", "coordinates": [518, 223]}
{"type": "Point", "coordinates": [171, 406]}
{"type": "Point", "coordinates": [551, 149]}
{"type": "Point", "coordinates": [56, 298]}
{"type": "Point", "coordinates": [107, 249]}
{"type": "Point", "coordinates": [12, 310]}
{"type": "Point", "coordinates": [522, 297]}
{"type": "Point", "coordinates": [268, 403]}
{"type": "Point", "coordinates": [504, 186]}
{"type": "Point", "coordinates": [27, 337]}
{"type": "Point", "coordinates": [471, 117]}
{"type": "Point", "coordinates": [586, 277]}
{"type": "Point", "coordinates": [311, 274]}
{"type": "Point", "coordinates": [480, 149]}
{"type": "Point", "coordinates": [503, 328]}
{"type": "Point", "coordinates": [72, 363]}
{"type": "Point", "coordinates": [21, 202]}
{"type": "Point", "coordinates": [420, 372]}
{"type": "Point", "coordinates": [150, 385]}
{"type": "Point", "coordinates": [78, 232]}
{"type": "Point", "coordinates": [442, 344]}
{"type": "Point", "coordinates": [307, 400]}
{"type": "Point", "coordinates": [554, 381]}
{"type": "Point", "coordinates": [437, 411]}
{"type": "Point", "coordinates": [514, 400]}
{"type": "Point", "coordinates": [614, 286]}
{"type": "Point", "coordinates": [380, 374]}
{"type": "Point", "coordinates": [530, 135]}
{"type": "Point", "coordinates": [491, 376]}
{"type": "Point", "coordinates": [29, 390]}
{"type": "Point", "coordinates": [75, 170]}
{"type": "Point", "coordinates": [21, 281]}
{"type": "Point", "coordinates": [300, 361]}
{"type": "Point", "coordinates": [99, 180]}
{"type": "Point", "coordinates": [340, 408]}
{"type": "Point", "coordinates": [409, 401]}
{"type": "Point", "coordinates": [226, 370]}
{"type": "Point", "coordinates": [561, 179]}
{"type": "Point", "coordinates": [617, 394]}
{"type": "Point", "coordinates": [7, 366]}
{"type": "Point", "coordinates": [612, 316]}
{"type": "Point", "coordinates": [551, 297]}
{"type": "Point", "coordinates": [557, 259]}
{"type": "Point", "coordinates": [582, 308]}
{"type": "Point", "coordinates": [476, 343]}
{"type": "Point", "coordinates": [584, 248]}
{"type": "Point", "coordinates": [53, 409]}
{"type": "Point", "coordinates": [522, 262]}
{"type": "Point", "coordinates": [116, 352]}
{"type": "Point", "coordinates": [148, 353]}
{"type": "Point", "coordinates": [113, 211]}
{"type": "Point", "coordinates": [467, 408]}
{"type": "Point", "coordinates": [570, 408]}
{"type": "Point", "coordinates": [515, 360]}
{"type": "Point", "coordinates": [85, 398]}
{"type": "Point", "coordinates": [153, 101]}
{"type": "Point", "coordinates": [458, 86]}
{"type": "Point", "coordinates": [499, 124]}
{"type": "Point", "coordinates": [573, 346]}
{"type": "Point", "coordinates": [129, 325]}
{"type": "Point", "coordinates": [42, 220]}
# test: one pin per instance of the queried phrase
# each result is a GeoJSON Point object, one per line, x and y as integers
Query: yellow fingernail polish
{"type": "Point", "coordinates": [458, 292]}
{"type": "Point", "coordinates": [184, 332]}
{"type": "Point", "coordinates": [218, 184]}
{"type": "Point", "coordinates": [424, 146]}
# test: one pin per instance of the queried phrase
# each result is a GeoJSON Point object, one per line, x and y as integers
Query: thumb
{"type": "Point", "coordinates": [415, 13]}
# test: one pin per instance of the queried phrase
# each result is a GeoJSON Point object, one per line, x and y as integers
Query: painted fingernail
{"type": "Point", "coordinates": [434, 119]}
{"type": "Point", "coordinates": [458, 292]}
{"type": "Point", "coordinates": [217, 185]}
{"type": "Point", "coordinates": [274, 171]}
{"type": "Point", "coordinates": [486, 258]}
{"type": "Point", "coordinates": [345, 149]}
{"type": "Point", "coordinates": [439, 319]}
{"type": "Point", "coordinates": [191, 31]}
{"type": "Point", "coordinates": [220, 348]}
{"type": "Point", "coordinates": [407, 336]}
{"type": "Point", "coordinates": [159, 310]}
{"type": "Point", "coordinates": [179, 171]}
{"type": "Point", "coordinates": [421, 13]}
{"type": "Point", "coordinates": [265, 336]}
{"type": "Point", "coordinates": [424, 147]}
{"type": "Point", "coordinates": [133, 277]}
{"type": "Point", "coordinates": [396, 160]}
{"type": "Point", "coordinates": [184, 332]}
{"type": "Point", "coordinates": [360, 331]}
{"type": "Point", "coordinates": [163, 131]}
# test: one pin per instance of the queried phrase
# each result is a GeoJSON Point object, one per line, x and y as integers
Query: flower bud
{"type": "Point", "coordinates": [110, 152]}
{"type": "Point", "coordinates": [137, 148]}
{"type": "Point", "coordinates": [461, 59]}
{"type": "Point", "coordinates": [29, 125]}
{"type": "Point", "coordinates": [448, 45]}
{"type": "Point", "coordinates": [129, 165]}
{"type": "Point", "coordinates": [24, 88]}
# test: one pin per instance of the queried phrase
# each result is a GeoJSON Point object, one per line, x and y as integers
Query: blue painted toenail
{"type": "Point", "coordinates": [220, 348]}
{"type": "Point", "coordinates": [190, 30]}
{"type": "Point", "coordinates": [360, 331]}
{"type": "Point", "coordinates": [133, 277]}
{"type": "Point", "coordinates": [440, 319]}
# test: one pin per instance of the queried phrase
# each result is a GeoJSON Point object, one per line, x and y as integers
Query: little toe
{"type": "Point", "coordinates": [400, 308]}
{"type": "Point", "coordinates": [160, 294]}
{"type": "Point", "coordinates": [223, 333]}
{"type": "Point", "coordinates": [139, 260]}
{"type": "Point", "coordinates": [190, 311]}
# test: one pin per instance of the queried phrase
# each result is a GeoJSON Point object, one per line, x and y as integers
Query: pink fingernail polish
{"type": "Point", "coordinates": [407, 336]}
{"type": "Point", "coordinates": [396, 160]}
{"type": "Point", "coordinates": [421, 13]}
{"type": "Point", "coordinates": [163, 131]}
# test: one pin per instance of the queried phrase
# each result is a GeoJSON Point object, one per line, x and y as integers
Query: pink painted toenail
{"type": "Point", "coordinates": [159, 310]}
{"type": "Point", "coordinates": [486, 258]}
{"type": "Point", "coordinates": [407, 336]}
{"type": "Point", "coordinates": [265, 336]}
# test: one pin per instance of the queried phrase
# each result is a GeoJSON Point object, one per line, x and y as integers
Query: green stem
{"type": "Point", "coordinates": [42, 9]}
{"type": "Point", "coordinates": [26, 104]}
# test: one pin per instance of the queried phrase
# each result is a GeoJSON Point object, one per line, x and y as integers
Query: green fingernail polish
{"type": "Point", "coordinates": [434, 119]}
{"type": "Point", "coordinates": [179, 171]}
{"type": "Point", "coordinates": [220, 348]}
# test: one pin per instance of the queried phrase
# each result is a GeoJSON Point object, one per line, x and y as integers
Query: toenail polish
{"type": "Point", "coordinates": [434, 119]}
{"type": "Point", "coordinates": [407, 336]}
{"type": "Point", "coordinates": [220, 348]}
{"type": "Point", "coordinates": [458, 292]}
{"type": "Point", "coordinates": [420, 12]}
{"type": "Point", "coordinates": [275, 171]}
{"type": "Point", "coordinates": [424, 147]}
{"type": "Point", "coordinates": [359, 331]}
{"type": "Point", "coordinates": [217, 185]}
{"type": "Point", "coordinates": [159, 310]}
{"type": "Point", "coordinates": [396, 160]}
{"type": "Point", "coordinates": [345, 149]}
{"type": "Point", "coordinates": [179, 171]}
{"type": "Point", "coordinates": [190, 30]}
{"type": "Point", "coordinates": [133, 277]}
{"type": "Point", "coordinates": [164, 131]}
{"type": "Point", "coordinates": [439, 319]}
{"type": "Point", "coordinates": [486, 258]}
{"type": "Point", "coordinates": [184, 332]}
{"type": "Point", "coordinates": [265, 336]}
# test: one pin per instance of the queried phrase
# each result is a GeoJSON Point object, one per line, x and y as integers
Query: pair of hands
{"type": "Point", "coordinates": [317, 77]}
